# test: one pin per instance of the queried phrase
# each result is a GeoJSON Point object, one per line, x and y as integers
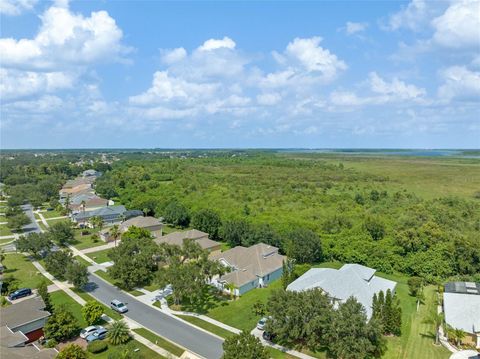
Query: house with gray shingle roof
{"type": "Point", "coordinates": [177, 238]}
{"type": "Point", "coordinates": [109, 214]}
{"type": "Point", "coordinates": [461, 305]}
{"type": "Point", "coordinates": [251, 267]}
{"type": "Point", "coordinates": [352, 280]}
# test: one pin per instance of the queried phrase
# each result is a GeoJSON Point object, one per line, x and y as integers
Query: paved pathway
{"type": "Point", "coordinates": [174, 329]}
{"type": "Point", "coordinates": [100, 248]}
{"type": "Point", "coordinates": [131, 324]}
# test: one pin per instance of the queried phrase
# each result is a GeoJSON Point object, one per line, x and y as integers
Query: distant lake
{"type": "Point", "coordinates": [474, 153]}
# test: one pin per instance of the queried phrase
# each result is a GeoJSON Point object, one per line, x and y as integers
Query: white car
{"type": "Point", "coordinates": [118, 306]}
{"type": "Point", "coordinates": [261, 323]}
{"type": "Point", "coordinates": [89, 330]}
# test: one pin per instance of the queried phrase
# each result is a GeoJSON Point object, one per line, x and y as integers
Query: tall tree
{"type": "Point", "coordinates": [61, 325]}
{"type": "Point", "coordinates": [244, 346]}
{"type": "Point", "coordinates": [92, 312]}
{"type": "Point", "coordinates": [57, 262]}
{"type": "Point", "coordinates": [351, 336]}
{"type": "Point", "coordinates": [61, 233]}
{"type": "Point", "coordinates": [176, 214]}
{"type": "Point", "coordinates": [115, 233]}
{"type": "Point", "coordinates": [304, 246]}
{"type": "Point", "coordinates": [77, 274]}
{"type": "Point", "coordinates": [436, 319]}
{"type": "Point", "coordinates": [34, 243]}
{"type": "Point", "coordinates": [43, 292]}
{"type": "Point", "coordinates": [208, 221]}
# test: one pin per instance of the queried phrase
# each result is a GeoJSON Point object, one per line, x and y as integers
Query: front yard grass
{"type": "Point", "coordinates": [100, 256]}
{"type": "Point", "coordinates": [82, 261]}
{"type": "Point", "coordinates": [87, 241]}
{"type": "Point", "coordinates": [51, 222]}
{"type": "Point", "coordinates": [5, 231]}
{"type": "Point", "coordinates": [51, 214]}
{"type": "Point", "coordinates": [144, 351]}
{"type": "Point", "coordinates": [20, 267]}
{"type": "Point", "coordinates": [165, 344]}
{"type": "Point", "coordinates": [104, 275]}
{"type": "Point", "coordinates": [239, 313]}
{"type": "Point", "coordinates": [106, 310]}
{"type": "Point", "coordinates": [212, 328]}
{"type": "Point", "coordinates": [59, 298]}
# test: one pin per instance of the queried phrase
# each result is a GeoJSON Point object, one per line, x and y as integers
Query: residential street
{"type": "Point", "coordinates": [177, 331]}
{"type": "Point", "coordinates": [33, 226]}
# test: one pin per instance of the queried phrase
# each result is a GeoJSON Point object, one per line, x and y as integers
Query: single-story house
{"type": "Point", "coordinates": [109, 214]}
{"type": "Point", "coordinates": [461, 305]}
{"type": "Point", "coordinates": [14, 345]}
{"type": "Point", "coordinates": [352, 280]}
{"type": "Point", "coordinates": [65, 192]}
{"type": "Point", "coordinates": [78, 181]}
{"type": "Point", "coordinates": [177, 238]}
{"type": "Point", "coordinates": [251, 267]}
{"type": "Point", "coordinates": [27, 317]}
{"type": "Point", "coordinates": [149, 223]}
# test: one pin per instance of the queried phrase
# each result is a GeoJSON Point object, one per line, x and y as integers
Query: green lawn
{"type": "Point", "coordinates": [42, 226]}
{"type": "Point", "coordinates": [87, 241]}
{"type": "Point", "coordinates": [82, 261]}
{"type": "Point", "coordinates": [112, 281]}
{"type": "Point", "coordinates": [417, 340]}
{"type": "Point", "coordinates": [165, 344]}
{"type": "Point", "coordinates": [239, 313]}
{"type": "Point", "coordinates": [145, 352]}
{"type": "Point", "coordinates": [6, 240]}
{"type": "Point", "coordinates": [4, 230]}
{"type": "Point", "coordinates": [212, 328]}
{"type": "Point", "coordinates": [51, 214]}
{"type": "Point", "coordinates": [277, 354]}
{"type": "Point", "coordinates": [100, 256]}
{"type": "Point", "coordinates": [59, 298]}
{"type": "Point", "coordinates": [23, 270]}
{"type": "Point", "coordinates": [53, 221]}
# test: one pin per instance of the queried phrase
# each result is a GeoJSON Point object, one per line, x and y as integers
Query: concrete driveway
{"type": "Point", "coordinates": [193, 339]}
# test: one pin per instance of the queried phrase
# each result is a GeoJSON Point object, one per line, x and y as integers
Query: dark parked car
{"type": "Point", "coordinates": [20, 293]}
{"type": "Point", "coordinates": [268, 336]}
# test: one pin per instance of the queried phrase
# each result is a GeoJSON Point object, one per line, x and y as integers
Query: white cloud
{"type": "Point", "coordinates": [459, 83]}
{"type": "Point", "coordinates": [313, 57]}
{"type": "Point", "coordinates": [166, 88]}
{"type": "Point", "coordinates": [411, 17]}
{"type": "Point", "coordinates": [396, 88]}
{"type": "Point", "coordinates": [172, 56]}
{"type": "Point", "coordinates": [64, 40]}
{"type": "Point", "coordinates": [268, 99]}
{"type": "Point", "coordinates": [459, 26]}
{"type": "Point", "coordinates": [16, 7]}
{"type": "Point", "coordinates": [16, 84]}
{"type": "Point", "coordinates": [214, 44]}
{"type": "Point", "coordinates": [352, 28]}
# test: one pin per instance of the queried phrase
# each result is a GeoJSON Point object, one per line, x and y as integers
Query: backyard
{"type": "Point", "coordinates": [87, 240]}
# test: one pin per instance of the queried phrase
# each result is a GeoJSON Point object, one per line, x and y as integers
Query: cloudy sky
{"type": "Point", "coordinates": [240, 74]}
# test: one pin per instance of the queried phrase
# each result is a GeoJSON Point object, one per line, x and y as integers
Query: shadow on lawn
{"type": "Point", "coordinates": [211, 298]}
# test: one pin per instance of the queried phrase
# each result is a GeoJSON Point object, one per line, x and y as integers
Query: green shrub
{"type": "Point", "coordinates": [97, 346]}
{"type": "Point", "coordinates": [51, 343]}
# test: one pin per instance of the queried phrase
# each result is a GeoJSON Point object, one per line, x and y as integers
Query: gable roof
{"type": "Point", "coordinates": [350, 280]}
{"type": "Point", "coordinates": [23, 312]}
{"type": "Point", "coordinates": [177, 238]}
{"type": "Point", "coordinates": [462, 311]}
{"type": "Point", "coordinates": [260, 259]}
{"type": "Point", "coordinates": [12, 346]}
{"type": "Point", "coordinates": [104, 211]}
{"type": "Point", "coordinates": [140, 222]}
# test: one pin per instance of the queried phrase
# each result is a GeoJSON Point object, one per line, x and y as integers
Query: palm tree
{"type": "Point", "coordinates": [118, 333]}
{"type": "Point", "coordinates": [82, 205]}
{"type": "Point", "coordinates": [115, 233]}
{"type": "Point", "coordinates": [458, 335]}
{"type": "Point", "coordinates": [437, 320]}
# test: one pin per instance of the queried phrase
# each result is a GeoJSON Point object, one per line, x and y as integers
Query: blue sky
{"type": "Point", "coordinates": [171, 74]}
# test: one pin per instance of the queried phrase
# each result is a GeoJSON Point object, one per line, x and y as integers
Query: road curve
{"type": "Point", "coordinates": [193, 339]}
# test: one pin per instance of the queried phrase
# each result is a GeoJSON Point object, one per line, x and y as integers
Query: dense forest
{"type": "Point", "coordinates": [360, 216]}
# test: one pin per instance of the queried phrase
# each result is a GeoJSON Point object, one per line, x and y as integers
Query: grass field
{"type": "Point", "coordinates": [100, 256]}
{"type": "Point", "coordinates": [165, 344]}
{"type": "Point", "coordinates": [87, 241]}
{"type": "Point", "coordinates": [426, 177]}
{"type": "Point", "coordinates": [108, 311]}
{"type": "Point", "coordinates": [59, 298]}
{"type": "Point", "coordinates": [51, 214]}
{"type": "Point", "coordinates": [82, 261]}
{"type": "Point", "coordinates": [4, 230]}
{"type": "Point", "coordinates": [6, 240]}
{"type": "Point", "coordinates": [212, 328]}
{"type": "Point", "coordinates": [145, 352]}
{"type": "Point", "coordinates": [23, 270]}
{"type": "Point", "coordinates": [53, 221]}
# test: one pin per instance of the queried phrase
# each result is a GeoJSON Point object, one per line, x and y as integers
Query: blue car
{"type": "Point", "coordinates": [20, 293]}
{"type": "Point", "coordinates": [99, 334]}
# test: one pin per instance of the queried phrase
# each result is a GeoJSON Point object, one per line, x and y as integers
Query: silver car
{"type": "Point", "coordinates": [118, 306]}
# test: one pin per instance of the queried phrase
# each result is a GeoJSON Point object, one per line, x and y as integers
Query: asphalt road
{"type": "Point", "coordinates": [33, 226]}
{"type": "Point", "coordinates": [177, 331]}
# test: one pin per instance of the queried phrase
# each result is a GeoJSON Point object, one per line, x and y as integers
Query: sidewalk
{"type": "Point", "coordinates": [131, 323]}
{"type": "Point", "coordinates": [100, 248]}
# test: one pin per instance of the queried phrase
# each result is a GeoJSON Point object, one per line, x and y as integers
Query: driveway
{"type": "Point", "coordinates": [32, 227]}
{"type": "Point", "coordinates": [166, 326]}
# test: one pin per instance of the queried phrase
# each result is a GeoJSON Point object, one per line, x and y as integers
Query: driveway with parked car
{"type": "Point", "coordinates": [191, 338]}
